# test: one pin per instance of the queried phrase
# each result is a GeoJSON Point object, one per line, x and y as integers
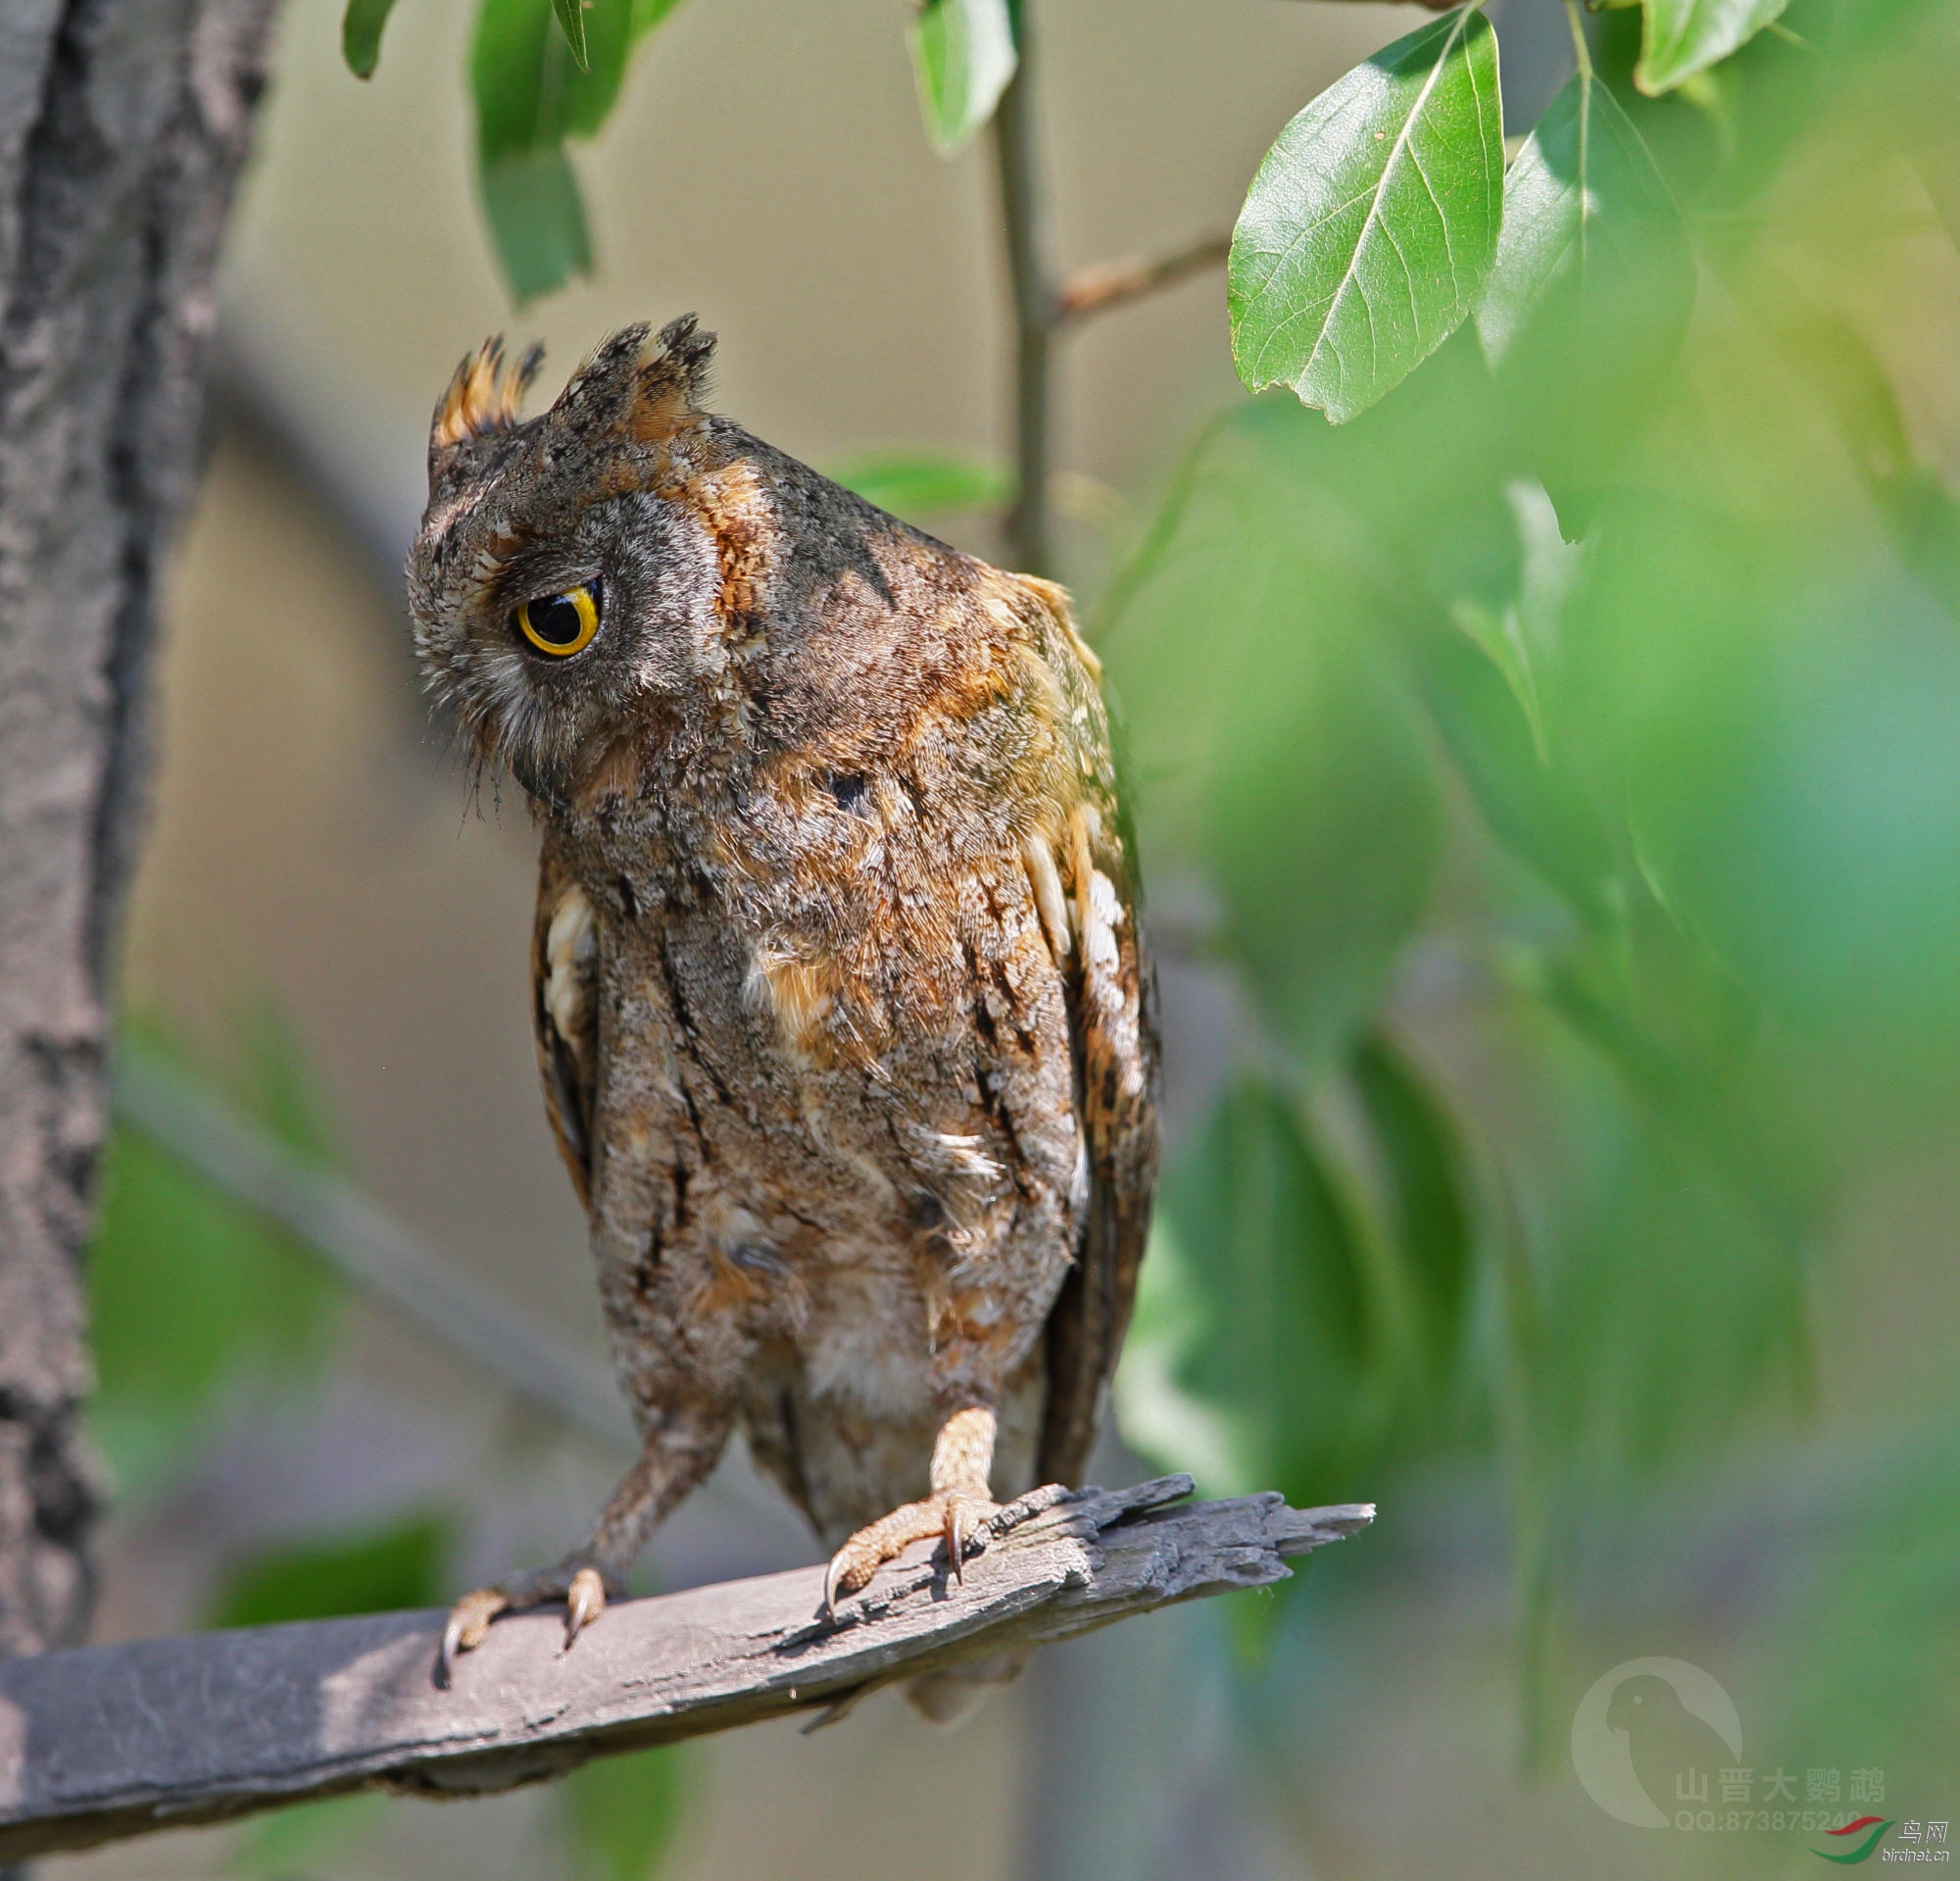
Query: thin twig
{"type": "Point", "coordinates": [105, 1741]}
{"type": "Point", "coordinates": [367, 1245]}
{"type": "Point", "coordinates": [1108, 284]}
{"type": "Point", "coordinates": [1023, 206]}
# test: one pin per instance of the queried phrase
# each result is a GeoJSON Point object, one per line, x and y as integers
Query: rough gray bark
{"type": "Point", "coordinates": [110, 1741]}
{"type": "Point", "coordinates": [122, 125]}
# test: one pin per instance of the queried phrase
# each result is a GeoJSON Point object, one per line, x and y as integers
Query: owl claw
{"type": "Point", "coordinates": [952, 1517]}
{"type": "Point", "coordinates": [833, 1579]}
{"type": "Point", "coordinates": [469, 1620]}
{"type": "Point", "coordinates": [452, 1643]}
{"type": "Point", "coordinates": [584, 1601]}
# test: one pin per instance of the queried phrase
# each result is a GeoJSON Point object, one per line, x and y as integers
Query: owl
{"type": "Point", "coordinates": [844, 1017]}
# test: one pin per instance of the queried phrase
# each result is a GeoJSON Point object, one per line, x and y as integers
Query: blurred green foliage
{"type": "Point", "coordinates": [378, 1571]}
{"type": "Point", "coordinates": [918, 485]}
{"type": "Point", "coordinates": [193, 1296]}
{"type": "Point", "coordinates": [1574, 732]}
{"type": "Point", "coordinates": [620, 1812]}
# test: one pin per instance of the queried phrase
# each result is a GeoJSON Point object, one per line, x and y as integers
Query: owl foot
{"type": "Point", "coordinates": [955, 1518]}
{"type": "Point", "coordinates": [575, 1582]}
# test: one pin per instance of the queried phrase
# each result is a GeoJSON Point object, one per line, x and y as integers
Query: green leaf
{"type": "Point", "coordinates": [1590, 300]}
{"type": "Point", "coordinates": [1588, 223]}
{"type": "Point", "coordinates": [361, 34]}
{"type": "Point", "coordinates": [530, 93]}
{"type": "Point", "coordinates": [915, 484]}
{"type": "Point", "coordinates": [571, 22]}
{"type": "Point", "coordinates": [1681, 37]}
{"type": "Point", "coordinates": [379, 1572]}
{"type": "Point", "coordinates": [623, 1812]}
{"type": "Point", "coordinates": [1269, 1341]}
{"type": "Point", "coordinates": [537, 222]}
{"type": "Point", "coordinates": [964, 56]}
{"type": "Point", "coordinates": [531, 97]}
{"type": "Point", "coordinates": [1372, 224]}
{"type": "Point", "coordinates": [1427, 1199]}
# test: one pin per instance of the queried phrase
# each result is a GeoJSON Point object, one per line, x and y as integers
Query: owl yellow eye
{"type": "Point", "coordinates": [560, 624]}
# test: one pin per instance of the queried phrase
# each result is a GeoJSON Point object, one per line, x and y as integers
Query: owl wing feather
{"type": "Point", "coordinates": [565, 1014]}
{"type": "Point", "coordinates": [1112, 1015]}
{"type": "Point", "coordinates": [1112, 996]}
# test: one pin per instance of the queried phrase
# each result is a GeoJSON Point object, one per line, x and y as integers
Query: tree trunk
{"type": "Point", "coordinates": [122, 127]}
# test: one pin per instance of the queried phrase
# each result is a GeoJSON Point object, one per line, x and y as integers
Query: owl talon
{"type": "Point", "coordinates": [452, 1643]}
{"type": "Point", "coordinates": [954, 1519]}
{"type": "Point", "coordinates": [584, 1602]}
{"type": "Point", "coordinates": [577, 1583]}
{"type": "Point", "coordinates": [469, 1620]}
{"type": "Point", "coordinates": [833, 1579]}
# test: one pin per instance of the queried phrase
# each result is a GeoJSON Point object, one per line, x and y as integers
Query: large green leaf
{"type": "Point", "coordinates": [1372, 224]}
{"type": "Point", "coordinates": [963, 54]}
{"type": "Point", "coordinates": [621, 1812]}
{"type": "Point", "coordinates": [537, 220]}
{"type": "Point", "coordinates": [1681, 37]}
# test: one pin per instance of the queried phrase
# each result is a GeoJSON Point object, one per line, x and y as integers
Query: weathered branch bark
{"type": "Point", "coordinates": [122, 125]}
{"type": "Point", "coordinates": [110, 1741]}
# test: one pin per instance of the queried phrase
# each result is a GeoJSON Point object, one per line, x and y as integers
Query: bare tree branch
{"type": "Point", "coordinates": [367, 1245]}
{"type": "Point", "coordinates": [1106, 284]}
{"type": "Point", "coordinates": [98, 1743]}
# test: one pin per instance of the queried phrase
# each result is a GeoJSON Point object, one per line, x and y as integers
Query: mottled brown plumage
{"type": "Point", "coordinates": [844, 1018]}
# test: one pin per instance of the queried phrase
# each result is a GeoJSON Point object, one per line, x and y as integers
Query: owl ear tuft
{"type": "Point", "coordinates": [485, 394]}
{"type": "Point", "coordinates": [640, 384]}
{"type": "Point", "coordinates": [672, 379]}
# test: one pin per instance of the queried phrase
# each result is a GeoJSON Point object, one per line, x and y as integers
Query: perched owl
{"type": "Point", "coordinates": [845, 1021]}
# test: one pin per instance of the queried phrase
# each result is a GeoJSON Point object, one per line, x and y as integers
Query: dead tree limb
{"type": "Point", "coordinates": [102, 1742]}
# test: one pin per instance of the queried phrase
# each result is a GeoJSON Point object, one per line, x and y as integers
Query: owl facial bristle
{"type": "Point", "coordinates": [484, 395]}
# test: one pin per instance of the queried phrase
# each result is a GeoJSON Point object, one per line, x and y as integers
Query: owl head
{"type": "Point", "coordinates": [564, 578]}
